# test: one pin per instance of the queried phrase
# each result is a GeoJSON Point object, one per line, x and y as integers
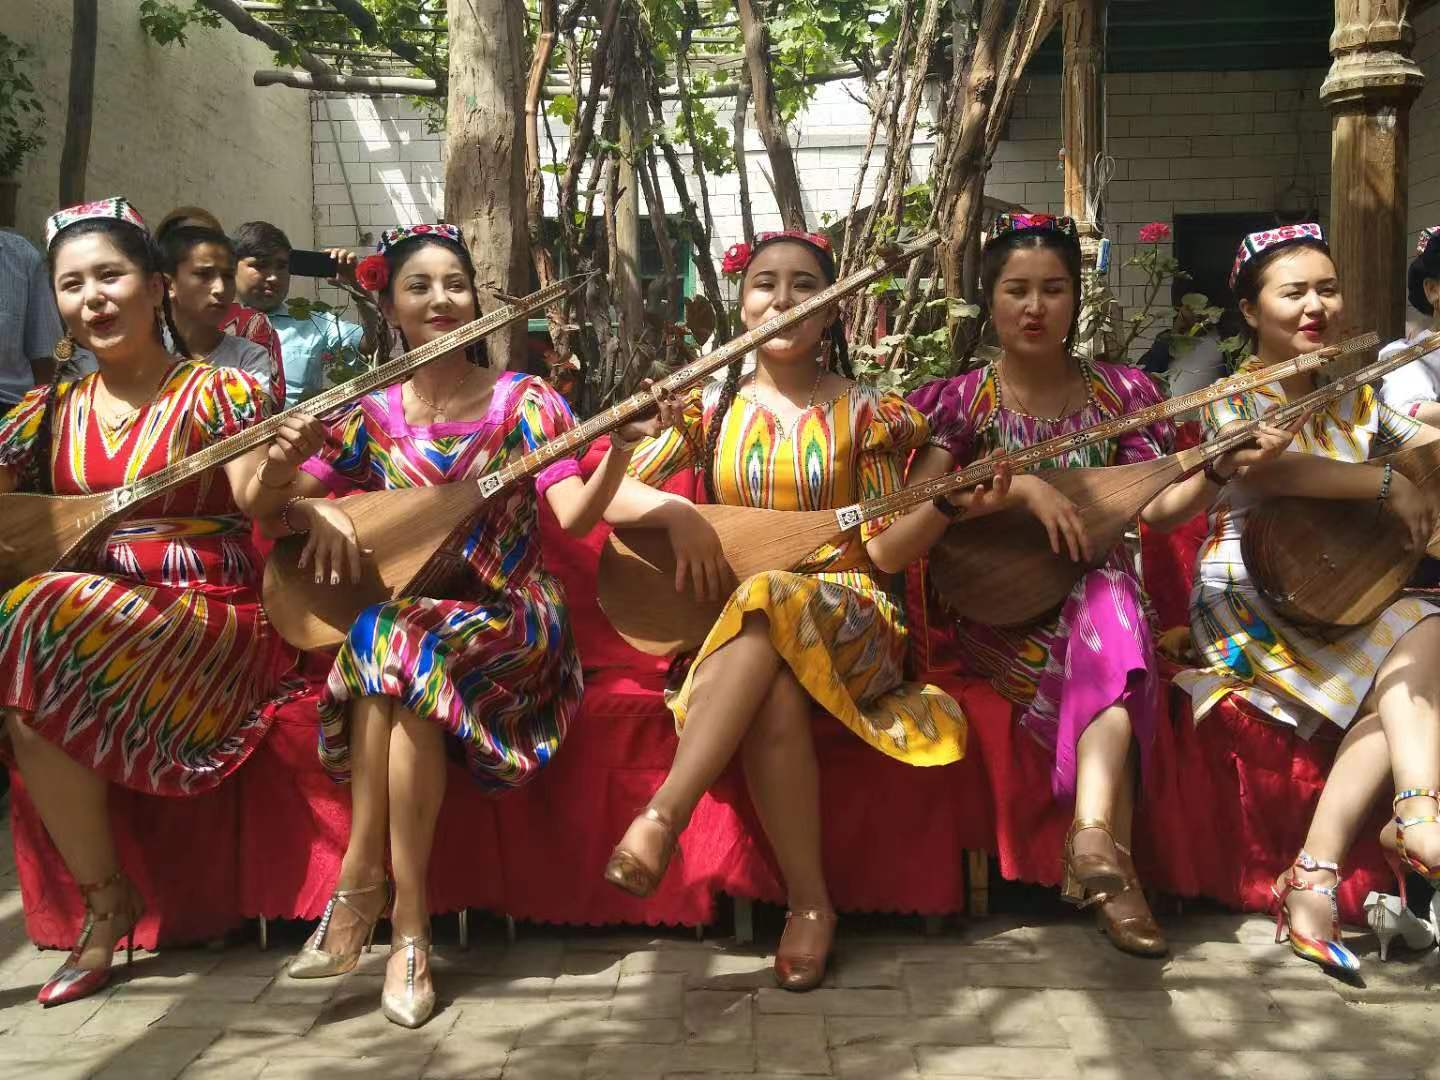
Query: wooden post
{"type": "Point", "coordinates": [1371, 86]}
{"type": "Point", "coordinates": [484, 150]}
{"type": "Point", "coordinates": [75, 154]}
{"type": "Point", "coordinates": [1083, 132]}
{"type": "Point", "coordinates": [625, 279]}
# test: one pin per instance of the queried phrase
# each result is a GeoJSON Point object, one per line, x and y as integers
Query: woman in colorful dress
{"type": "Point", "coordinates": [1378, 683]}
{"type": "Point", "coordinates": [490, 673]}
{"type": "Point", "coordinates": [147, 669]}
{"type": "Point", "coordinates": [797, 434]}
{"type": "Point", "coordinates": [1086, 679]}
{"type": "Point", "coordinates": [1415, 388]}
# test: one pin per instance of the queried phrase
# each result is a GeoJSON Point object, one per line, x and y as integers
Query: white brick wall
{"type": "Point", "coordinates": [1188, 142]}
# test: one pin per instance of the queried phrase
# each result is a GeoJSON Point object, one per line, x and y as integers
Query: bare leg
{"type": "Point", "coordinates": [1407, 697]}
{"type": "Point", "coordinates": [727, 693]}
{"type": "Point", "coordinates": [784, 781]}
{"type": "Point", "coordinates": [1356, 780]}
{"type": "Point", "coordinates": [72, 803]}
{"type": "Point", "coordinates": [371, 720]}
{"type": "Point", "coordinates": [417, 789]}
{"type": "Point", "coordinates": [1103, 780]}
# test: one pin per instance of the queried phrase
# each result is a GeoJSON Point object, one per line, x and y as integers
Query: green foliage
{"type": "Point", "coordinates": [21, 114]}
{"type": "Point", "coordinates": [903, 362]}
{"type": "Point", "coordinates": [344, 364]}
{"type": "Point", "coordinates": [166, 23]}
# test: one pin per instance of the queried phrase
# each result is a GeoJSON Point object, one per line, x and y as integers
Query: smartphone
{"type": "Point", "coordinates": [312, 264]}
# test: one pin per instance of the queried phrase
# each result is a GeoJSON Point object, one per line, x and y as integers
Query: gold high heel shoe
{"type": "Point", "coordinates": [409, 1009]}
{"type": "Point", "coordinates": [313, 962]}
{"type": "Point", "coordinates": [1090, 875]}
{"type": "Point", "coordinates": [801, 971]}
{"type": "Point", "coordinates": [72, 982]}
{"type": "Point", "coordinates": [626, 870]}
{"type": "Point", "coordinates": [1135, 930]}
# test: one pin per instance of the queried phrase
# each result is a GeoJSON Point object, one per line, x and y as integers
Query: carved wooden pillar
{"type": "Point", "coordinates": [1371, 86]}
{"type": "Point", "coordinates": [1083, 131]}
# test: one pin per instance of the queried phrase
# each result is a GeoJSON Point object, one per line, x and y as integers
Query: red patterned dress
{"type": "Point", "coordinates": [153, 669]}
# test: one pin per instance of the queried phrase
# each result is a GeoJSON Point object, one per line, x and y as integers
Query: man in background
{"type": "Point", "coordinates": [29, 321]}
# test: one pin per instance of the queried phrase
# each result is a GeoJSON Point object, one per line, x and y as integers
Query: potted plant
{"type": "Point", "coordinates": [21, 117]}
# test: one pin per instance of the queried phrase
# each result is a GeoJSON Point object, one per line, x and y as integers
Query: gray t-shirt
{"type": "Point", "coordinates": [236, 352]}
{"type": "Point", "coordinates": [29, 321]}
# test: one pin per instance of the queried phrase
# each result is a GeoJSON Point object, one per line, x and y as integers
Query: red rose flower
{"type": "Point", "coordinates": [372, 273]}
{"type": "Point", "coordinates": [1155, 233]}
{"type": "Point", "coordinates": [736, 259]}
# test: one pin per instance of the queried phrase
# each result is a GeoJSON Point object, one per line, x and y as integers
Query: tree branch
{"type": "Point", "coordinates": [263, 32]}
{"type": "Point", "coordinates": [363, 20]}
{"type": "Point", "coordinates": [786, 181]}
{"type": "Point", "coordinates": [348, 84]}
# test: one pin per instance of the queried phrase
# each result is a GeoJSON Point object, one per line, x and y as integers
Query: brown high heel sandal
{"type": "Point", "coordinates": [626, 870]}
{"type": "Point", "coordinates": [1086, 876]}
{"type": "Point", "coordinates": [801, 971]}
{"type": "Point", "coordinates": [1134, 932]}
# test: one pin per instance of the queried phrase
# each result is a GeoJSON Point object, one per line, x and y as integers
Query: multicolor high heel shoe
{"type": "Point", "coordinates": [801, 971]}
{"type": "Point", "coordinates": [72, 982]}
{"type": "Point", "coordinates": [410, 1009]}
{"type": "Point", "coordinates": [1087, 876]}
{"type": "Point", "coordinates": [1329, 953]}
{"type": "Point", "coordinates": [626, 870]}
{"type": "Point", "coordinates": [1400, 859]}
{"type": "Point", "coordinates": [313, 962]}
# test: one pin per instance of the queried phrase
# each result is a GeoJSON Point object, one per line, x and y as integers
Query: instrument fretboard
{"type": "Point", "coordinates": [980, 471]}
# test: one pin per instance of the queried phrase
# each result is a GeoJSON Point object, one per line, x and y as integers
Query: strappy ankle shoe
{"type": "Point", "coordinates": [72, 982]}
{"type": "Point", "coordinates": [1131, 931]}
{"type": "Point", "coordinates": [1329, 953]}
{"type": "Point", "coordinates": [1087, 876]}
{"type": "Point", "coordinates": [313, 962]}
{"type": "Point", "coordinates": [628, 871]}
{"type": "Point", "coordinates": [1402, 861]}
{"type": "Point", "coordinates": [801, 971]}
{"type": "Point", "coordinates": [413, 1007]}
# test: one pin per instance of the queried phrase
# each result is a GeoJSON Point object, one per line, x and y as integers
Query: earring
{"type": "Point", "coordinates": [64, 349]}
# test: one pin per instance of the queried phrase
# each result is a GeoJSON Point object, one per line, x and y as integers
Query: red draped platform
{"type": "Point", "coordinates": [1224, 811]}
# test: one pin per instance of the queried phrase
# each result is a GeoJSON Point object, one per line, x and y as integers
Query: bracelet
{"type": "Point", "coordinates": [946, 507]}
{"type": "Point", "coordinates": [1213, 474]}
{"type": "Point", "coordinates": [1385, 483]}
{"type": "Point", "coordinates": [285, 515]}
{"type": "Point", "coordinates": [260, 478]}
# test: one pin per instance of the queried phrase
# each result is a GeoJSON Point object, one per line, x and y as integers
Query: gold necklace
{"type": "Point", "coordinates": [439, 411]}
{"type": "Point", "coordinates": [116, 421]}
{"type": "Point", "coordinates": [1025, 409]}
{"type": "Point", "coordinates": [809, 404]}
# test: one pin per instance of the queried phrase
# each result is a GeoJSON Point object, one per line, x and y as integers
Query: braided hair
{"type": "Point", "coordinates": [138, 247]}
{"type": "Point", "coordinates": [838, 359]}
{"type": "Point", "coordinates": [397, 255]}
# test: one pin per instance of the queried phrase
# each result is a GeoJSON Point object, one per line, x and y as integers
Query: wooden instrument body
{"type": "Point", "coordinates": [1336, 562]}
{"type": "Point", "coordinates": [999, 569]}
{"type": "Point", "coordinates": [48, 532]}
{"type": "Point", "coordinates": [636, 577]}
{"type": "Point", "coordinates": [399, 532]}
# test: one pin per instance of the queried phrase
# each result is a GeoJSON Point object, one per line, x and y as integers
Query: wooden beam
{"type": "Point", "coordinates": [75, 155]}
{"type": "Point", "coordinates": [364, 21]}
{"type": "Point", "coordinates": [1083, 135]}
{"type": "Point", "coordinates": [247, 24]}
{"type": "Point", "coordinates": [348, 84]}
{"type": "Point", "coordinates": [1369, 90]}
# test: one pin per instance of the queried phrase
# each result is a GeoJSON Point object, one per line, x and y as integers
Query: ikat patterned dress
{"type": "Point", "coordinates": [152, 669]}
{"type": "Point", "coordinates": [842, 634]}
{"type": "Point", "coordinates": [497, 669]}
{"type": "Point", "coordinates": [1289, 673]}
{"type": "Point", "coordinates": [1098, 650]}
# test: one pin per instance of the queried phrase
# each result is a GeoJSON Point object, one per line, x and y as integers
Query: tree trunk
{"type": "Point", "coordinates": [75, 155]}
{"type": "Point", "coordinates": [767, 116]}
{"type": "Point", "coordinates": [484, 140]}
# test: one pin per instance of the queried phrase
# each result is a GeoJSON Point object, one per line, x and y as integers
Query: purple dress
{"type": "Point", "coordinates": [1097, 652]}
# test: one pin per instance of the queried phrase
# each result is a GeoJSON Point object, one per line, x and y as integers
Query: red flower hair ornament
{"type": "Point", "coordinates": [372, 273]}
{"type": "Point", "coordinates": [737, 256]}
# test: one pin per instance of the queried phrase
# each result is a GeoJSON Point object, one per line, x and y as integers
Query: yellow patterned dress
{"type": "Point", "coordinates": [1285, 671]}
{"type": "Point", "coordinates": [841, 633]}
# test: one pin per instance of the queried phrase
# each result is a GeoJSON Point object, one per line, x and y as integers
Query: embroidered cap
{"type": "Point", "coordinates": [390, 237]}
{"type": "Point", "coordinates": [115, 208]}
{"type": "Point", "coordinates": [1266, 239]}
{"type": "Point", "coordinates": [737, 256]}
{"type": "Point", "coordinates": [1012, 222]}
{"type": "Point", "coordinates": [1427, 240]}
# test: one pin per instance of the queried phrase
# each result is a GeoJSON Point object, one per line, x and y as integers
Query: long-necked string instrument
{"type": "Point", "coordinates": [44, 532]}
{"type": "Point", "coordinates": [636, 586]}
{"type": "Point", "coordinates": [999, 569]}
{"type": "Point", "coordinates": [410, 536]}
{"type": "Point", "coordinates": [1339, 562]}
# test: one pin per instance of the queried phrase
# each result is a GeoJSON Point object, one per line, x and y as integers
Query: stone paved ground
{"type": "Point", "coordinates": [990, 998]}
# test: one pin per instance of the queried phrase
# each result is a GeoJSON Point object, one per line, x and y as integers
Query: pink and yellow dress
{"type": "Point", "coordinates": [1097, 651]}
{"type": "Point", "coordinates": [841, 633]}
{"type": "Point", "coordinates": [494, 664]}
{"type": "Point", "coordinates": [153, 668]}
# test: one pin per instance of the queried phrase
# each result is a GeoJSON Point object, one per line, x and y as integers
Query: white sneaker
{"type": "Point", "coordinates": [1388, 917]}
